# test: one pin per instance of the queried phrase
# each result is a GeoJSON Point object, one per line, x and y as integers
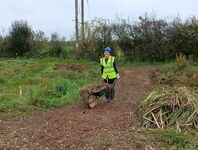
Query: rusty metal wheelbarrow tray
{"type": "Point", "coordinates": [100, 93]}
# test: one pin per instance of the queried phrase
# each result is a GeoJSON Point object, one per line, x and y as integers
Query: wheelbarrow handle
{"type": "Point", "coordinates": [113, 84]}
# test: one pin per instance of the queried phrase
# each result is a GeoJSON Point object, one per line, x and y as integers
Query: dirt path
{"type": "Point", "coordinates": [108, 126]}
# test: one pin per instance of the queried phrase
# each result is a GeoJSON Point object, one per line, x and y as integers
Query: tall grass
{"type": "Point", "coordinates": [181, 61]}
{"type": "Point", "coordinates": [171, 75]}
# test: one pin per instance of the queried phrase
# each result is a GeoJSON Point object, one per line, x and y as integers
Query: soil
{"type": "Point", "coordinates": [71, 67]}
{"type": "Point", "coordinates": [107, 126]}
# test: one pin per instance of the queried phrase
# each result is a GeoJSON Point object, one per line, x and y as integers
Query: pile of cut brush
{"type": "Point", "coordinates": [177, 106]}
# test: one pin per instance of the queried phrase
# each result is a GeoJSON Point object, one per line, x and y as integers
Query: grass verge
{"type": "Point", "coordinates": [27, 84]}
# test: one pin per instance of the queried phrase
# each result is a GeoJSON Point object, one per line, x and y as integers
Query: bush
{"type": "Point", "coordinates": [56, 46]}
{"type": "Point", "coordinates": [98, 34]}
{"type": "Point", "coordinates": [171, 75]}
{"type": "Point", "coordinates": [148, 39]}
{"type": "Point", "coordinates": [2, 46]}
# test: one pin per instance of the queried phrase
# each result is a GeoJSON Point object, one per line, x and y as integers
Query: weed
{"type": "Point", "coordinates": [181, 61]}
{"type": "Point", "coordinates": [177, 140]}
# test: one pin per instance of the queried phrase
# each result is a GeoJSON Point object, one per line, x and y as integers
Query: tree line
{"type": "Point", "coordinates": [148, 39]}
{"type": "Point", "coordinates": [22, 41]}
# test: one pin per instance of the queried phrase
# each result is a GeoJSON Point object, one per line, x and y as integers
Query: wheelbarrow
{"type": "Point", "coordinates": [92, 93]}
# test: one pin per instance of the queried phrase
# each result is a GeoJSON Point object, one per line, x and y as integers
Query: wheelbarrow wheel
{"type": "Point", "coordinates": [92, 101]}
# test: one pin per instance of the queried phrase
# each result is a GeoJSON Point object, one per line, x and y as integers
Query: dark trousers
{"type": "Point", "coordinates": [110, 93]}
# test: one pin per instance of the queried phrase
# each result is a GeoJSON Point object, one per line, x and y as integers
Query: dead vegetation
{"type": "Point", "coordinates": [171, 107]}
{"type": "Point", "coordinates": [174, 102]}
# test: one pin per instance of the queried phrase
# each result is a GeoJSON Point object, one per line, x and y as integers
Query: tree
{"type": "Point", "coordinates": [20, 38]}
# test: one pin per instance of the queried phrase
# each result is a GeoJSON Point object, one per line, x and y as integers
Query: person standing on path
{"type": "Point", "coordinates": [109, 72]}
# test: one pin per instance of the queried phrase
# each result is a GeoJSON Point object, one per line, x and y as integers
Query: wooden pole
{"type": "Point", "coordinates": [76, 19]}
{"type": "Point", "coordinates": [82, 20]}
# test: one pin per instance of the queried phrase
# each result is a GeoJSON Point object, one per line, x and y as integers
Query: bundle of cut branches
{"type": "Point", "coordinates": [177, 106]}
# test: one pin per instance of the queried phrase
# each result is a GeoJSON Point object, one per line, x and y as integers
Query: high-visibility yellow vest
{"type": "Point", "coordinates": [109, 70]}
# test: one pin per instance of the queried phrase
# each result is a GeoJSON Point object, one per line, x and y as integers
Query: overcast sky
{"type": "Point", "coordinates": [58, 15]}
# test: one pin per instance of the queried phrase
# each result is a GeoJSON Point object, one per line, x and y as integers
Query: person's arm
{"type": "Point", "coordinates": [102, 69]}
{"type": "Point", "coordinates": [115, 68]}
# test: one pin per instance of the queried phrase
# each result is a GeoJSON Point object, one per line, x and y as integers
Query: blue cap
{"type": "Point", "coordinates": [107, 49]}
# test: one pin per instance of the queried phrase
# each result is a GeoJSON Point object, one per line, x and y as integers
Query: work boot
{"type": "Point", "coordinates": [110, 100]}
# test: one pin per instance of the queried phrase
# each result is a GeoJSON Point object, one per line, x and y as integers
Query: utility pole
{"type": "Point", "coordinates": [82, 21]}
{"type": "Point", "coordinates": [76, 19]}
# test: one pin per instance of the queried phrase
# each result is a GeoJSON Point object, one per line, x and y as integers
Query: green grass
{"type": "Point", "coordinates": [42, 86]}
{"type": "Point", "coordinates": [176, 140]}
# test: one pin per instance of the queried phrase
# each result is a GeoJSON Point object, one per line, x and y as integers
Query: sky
{"type": "Point", "coordinates": [58, 16]}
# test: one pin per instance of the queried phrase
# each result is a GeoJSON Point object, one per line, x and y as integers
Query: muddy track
{"type": "Point", "coordinates": [114, 126]}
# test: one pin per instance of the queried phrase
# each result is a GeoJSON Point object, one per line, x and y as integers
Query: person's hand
{"type": "Point", "coordinates": [118, 76]}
